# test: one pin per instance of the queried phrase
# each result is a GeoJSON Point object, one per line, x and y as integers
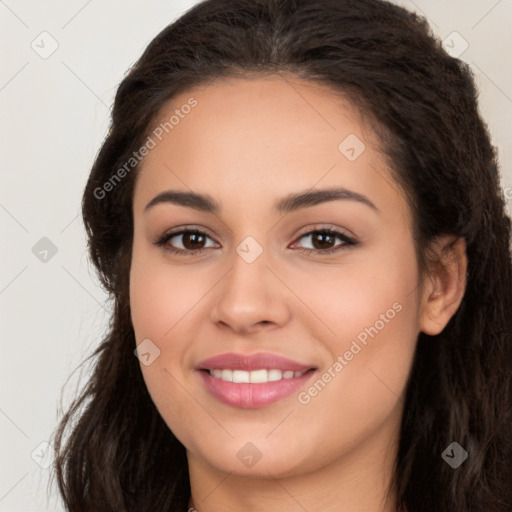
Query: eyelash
{"type": "Point", "coordinates": [180, 252]}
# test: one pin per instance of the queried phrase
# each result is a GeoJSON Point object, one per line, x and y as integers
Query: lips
{"type": "Point", "coordinates": [252, 381]}
{"type": "Point", "coordinates": [261, 361]}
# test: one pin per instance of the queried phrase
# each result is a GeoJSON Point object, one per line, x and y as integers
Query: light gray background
{"type": "Point", "coordinates": [55, 114]}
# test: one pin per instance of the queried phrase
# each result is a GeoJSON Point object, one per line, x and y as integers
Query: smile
{"type": "Point", "coordinates": [250, 381]}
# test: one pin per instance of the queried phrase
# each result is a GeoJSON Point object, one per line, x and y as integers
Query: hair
{"type": "Point", "coordinates": [114, 451]}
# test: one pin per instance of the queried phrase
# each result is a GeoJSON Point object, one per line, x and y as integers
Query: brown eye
{"type": "Point", "coordinates": [323, 240]}
{"type": "Point", "coordinates": [191, 241]}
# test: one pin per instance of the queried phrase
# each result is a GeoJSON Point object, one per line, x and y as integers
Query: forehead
{"type": "Point", "coordinates": [246, 137]}
{"type": "Point", "coordinates": [275, 109]}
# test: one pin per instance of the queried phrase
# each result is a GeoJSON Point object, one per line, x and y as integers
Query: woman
{"type": "Point", "coordinates": [367, 370]}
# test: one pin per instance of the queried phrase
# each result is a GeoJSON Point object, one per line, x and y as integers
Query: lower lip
{"type": "Point", "coordinates": [252, 396]}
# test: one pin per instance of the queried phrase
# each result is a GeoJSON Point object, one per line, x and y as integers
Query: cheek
{"type": "Point", "coordinates": [159, 301]}
{"type": "Point", "coordinates": [166, 301]}
{"type": "Point", "coordinates": [375, 294]}
{"type": "Point", "coordinates": [360, 390]}
{"type": "Point", "coordinates": [160, 296]}
{"type": "Point", "coordinates": [371, 313]}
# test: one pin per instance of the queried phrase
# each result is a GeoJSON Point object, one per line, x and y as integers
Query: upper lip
{"type": "Point", "coordinates": [232, 361]}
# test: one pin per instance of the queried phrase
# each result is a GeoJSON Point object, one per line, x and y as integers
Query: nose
{"type": "Point", "coordinates": [251, 298]}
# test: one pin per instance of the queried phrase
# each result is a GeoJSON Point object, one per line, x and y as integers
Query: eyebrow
{"type": "Point", "coordinates": [289, 203]}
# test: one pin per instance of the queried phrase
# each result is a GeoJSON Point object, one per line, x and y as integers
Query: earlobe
{"type": "Point", "coordinates": [445, 285]}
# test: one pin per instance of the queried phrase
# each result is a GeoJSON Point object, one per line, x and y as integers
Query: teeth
{"type": "Point", "coordinates": [274, 375]}
{"type": "Point", "coordinates": [255, 376]}
{"type": "Point", "coordinates": [239, 376]}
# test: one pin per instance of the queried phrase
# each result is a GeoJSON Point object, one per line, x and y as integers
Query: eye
{"type": "Point", "coordinates": [192, 241]}
{"type": "Point", "coordinates": [322, 240]}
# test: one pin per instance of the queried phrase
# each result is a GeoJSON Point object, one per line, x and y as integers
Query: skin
{"type": "Point", "coordinates": [248, 143]}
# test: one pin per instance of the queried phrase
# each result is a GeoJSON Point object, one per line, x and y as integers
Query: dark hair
{"type": "Point", "coordinates": [119, 454]}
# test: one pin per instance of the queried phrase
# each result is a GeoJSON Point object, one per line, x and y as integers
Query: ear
{"type": "Point", "coordinates": [445, 284]}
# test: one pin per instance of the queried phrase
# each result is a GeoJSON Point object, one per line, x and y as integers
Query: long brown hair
{"type": "Point", "coordinates": [115, 453]}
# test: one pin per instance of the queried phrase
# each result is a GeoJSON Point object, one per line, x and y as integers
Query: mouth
{"type": "Point", "coordinates": [255, 376]}
{"type": "Point", "coordinates": [253, 381]}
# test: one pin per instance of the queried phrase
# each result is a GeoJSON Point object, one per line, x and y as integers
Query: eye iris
{"type": "Point", "coordinates": [324, 238]}
{"type": "Point", "coordinates": [194, 237]}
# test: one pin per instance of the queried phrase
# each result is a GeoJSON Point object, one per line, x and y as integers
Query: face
{"type": "Point", "coordinates": [310, 303]}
